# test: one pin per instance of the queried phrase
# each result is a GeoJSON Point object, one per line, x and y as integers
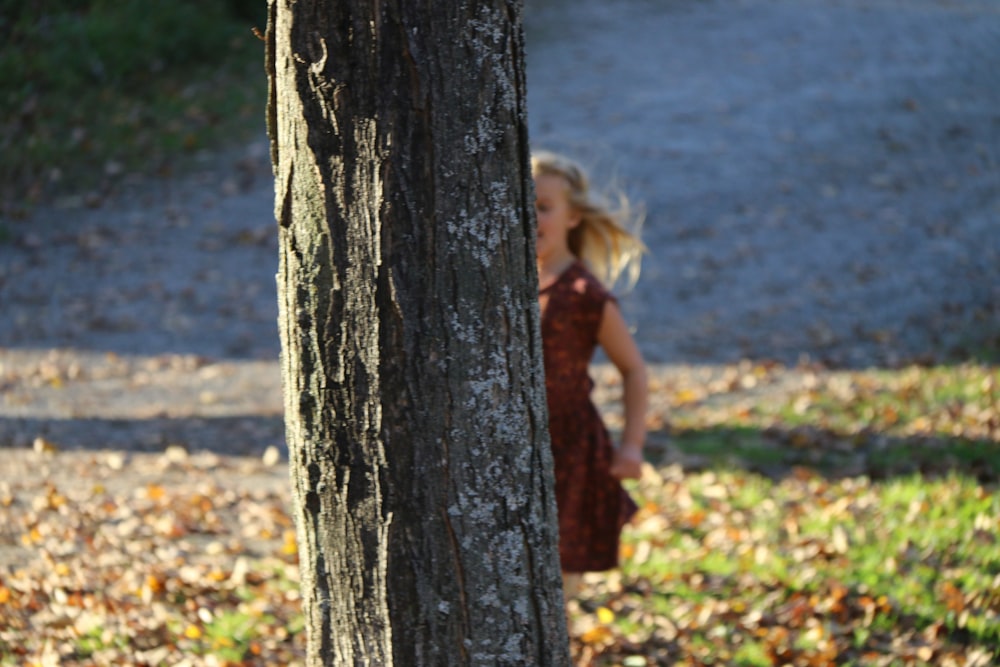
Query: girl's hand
{"type": "Point", "coordinates": [626, 464]}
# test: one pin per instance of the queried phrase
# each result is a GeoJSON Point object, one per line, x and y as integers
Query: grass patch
{"type": "Point", "coordinates": [879, 423]}
{"type": "Point", "coordinates": [95, 91]}
{"type": "Point", "coordinates": [851, 518]}
{"type": "Point", "coordinates": [845, 571]}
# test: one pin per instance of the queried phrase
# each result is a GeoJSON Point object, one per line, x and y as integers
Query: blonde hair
{"type": "Point", "coordinates": [606, 240]}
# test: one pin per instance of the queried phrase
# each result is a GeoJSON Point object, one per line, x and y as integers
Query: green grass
{"type": "Point", "coordinates": [98, 639]}
{"type": "Point", "coordinates": [862, 559]}
{"type": "Point", "coordinates": [231, 633]}
{"type": "Point", "coordinates": [851, 521]}
{"type": "Point", "coordinates": [96, 91]}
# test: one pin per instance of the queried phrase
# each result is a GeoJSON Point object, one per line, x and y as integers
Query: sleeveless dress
{"type": "Point", "coordinates": [592, 504]}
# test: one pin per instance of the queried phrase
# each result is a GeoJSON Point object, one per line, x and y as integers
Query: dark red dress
{"type": "Point", "coordinates": [592, 504]}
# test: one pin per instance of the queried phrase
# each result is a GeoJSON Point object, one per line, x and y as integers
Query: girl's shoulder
{"type": "Point", "coordinates": [581, 281]}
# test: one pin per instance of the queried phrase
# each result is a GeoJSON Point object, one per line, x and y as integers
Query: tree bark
{"type": "Point", "coordinates": [411, 357]}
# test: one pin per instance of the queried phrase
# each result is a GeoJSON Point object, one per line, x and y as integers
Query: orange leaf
{"type": "Point", "coordinates": [952, 597]}
{"type": "Point", "coordinates": [596, 635]}
{"type": "Point", "coordinates": [695, 518]}
{"type": "Point", "coordinates": [154, 583]}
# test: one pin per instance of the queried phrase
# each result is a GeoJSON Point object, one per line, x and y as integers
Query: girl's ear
{"type": "Point", "coordinates": [575, 218]}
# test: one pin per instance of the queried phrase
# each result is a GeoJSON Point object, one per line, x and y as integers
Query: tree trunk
{"type": "Point", "coordinates": [411, 356]}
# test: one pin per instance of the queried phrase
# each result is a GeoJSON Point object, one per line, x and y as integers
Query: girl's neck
{"type": "Point", "coordinates": [550, 268]}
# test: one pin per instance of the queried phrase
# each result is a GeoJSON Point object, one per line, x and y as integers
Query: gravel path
{"type": "Point", "coordinates": [822, 178]}
{"type": "Point", "coordinates": [821, 181]}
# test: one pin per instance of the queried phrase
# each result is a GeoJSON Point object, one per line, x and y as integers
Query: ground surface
{"type": "Point", "coordinates": [821, 181]}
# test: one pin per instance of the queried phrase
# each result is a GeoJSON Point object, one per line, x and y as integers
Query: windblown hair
{"type": "Point", "coordinates": [607, 239]}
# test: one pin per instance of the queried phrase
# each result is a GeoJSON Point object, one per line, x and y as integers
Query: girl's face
{"type": "Point", "coordinates": [555, 216]}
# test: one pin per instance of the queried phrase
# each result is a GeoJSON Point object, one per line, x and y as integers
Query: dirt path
{"type": "Point", "coordinates": [821, 181]}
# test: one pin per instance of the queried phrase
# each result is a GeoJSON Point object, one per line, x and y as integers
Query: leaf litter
{"type": "Point", "coordinates": [123, 559]}
{"type": "Point", "coordinates": [115, 557]}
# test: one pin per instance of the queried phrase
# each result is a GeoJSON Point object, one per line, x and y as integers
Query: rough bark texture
{"type": "Point", "coordinates": [415, 407]}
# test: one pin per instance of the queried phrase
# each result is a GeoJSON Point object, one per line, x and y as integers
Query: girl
{"type": "Point", "coordinates": [578, 238]}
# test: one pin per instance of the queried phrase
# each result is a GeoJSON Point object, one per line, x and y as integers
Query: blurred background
{"type": "Point", "coordinates": [819, 180]}
{"type": "Point", "coordinates": [95, 90]}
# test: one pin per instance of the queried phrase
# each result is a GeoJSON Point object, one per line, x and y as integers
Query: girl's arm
{"type": "Point", "coordinates": [614, 337]}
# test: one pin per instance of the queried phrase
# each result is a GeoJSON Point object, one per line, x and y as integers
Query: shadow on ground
{"type": "Point", "coordinates": [236, 436]}
{"type": "Point", "coordinates": [779, 452]}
